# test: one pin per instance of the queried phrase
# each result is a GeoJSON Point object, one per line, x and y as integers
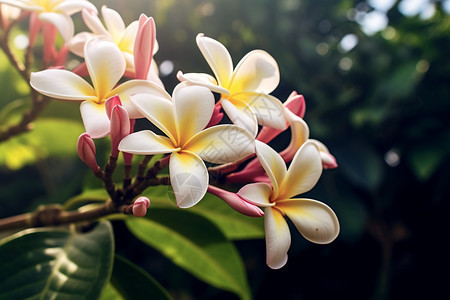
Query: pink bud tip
{"type": "Point", "coordinates": [236, 202]}
{"type": "Point", "coordinates": [86, 151]}
{"type": "Point", "coordinates": [119, 128]}
{"type": "Point", "coordinates": [111, 103]}
{"type": "Point", "coordinates": [144, 45]}
{"type": "Point", "coordinates": [140, 206]}
{"type": "Point", "coordinates": [216, 116]}
{"type": "Point", "coordinates": [296, 104]}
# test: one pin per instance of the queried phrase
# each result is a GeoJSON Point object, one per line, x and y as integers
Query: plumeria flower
{"type": "Point", "coordinates": [57, 12]}
{"type": "Point", "coordinates": [106, 66]}
{"type": "Point", "coordinates": [115, 31]}
{"type": "Point", "coordinates": [244, 90]}
{"type": "Point", "coordinates": [183, 121]}
{"type": "Point", "coordinates": [314, 220]}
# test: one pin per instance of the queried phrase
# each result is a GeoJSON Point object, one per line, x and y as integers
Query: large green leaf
{"type": "Point", "coordinates": [195, 244]}
{"type": "Point", "coordinates": [131, 282]}
{"type": "Point", "coordinates": [56, 263]}
{"type": "Point", "coordinates": [234, 225]}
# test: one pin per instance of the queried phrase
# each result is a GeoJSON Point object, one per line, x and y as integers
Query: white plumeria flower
{"type": "Point", "coordinates": [314, 220]}
{"type": "Point", "coordinates": [244, 90]}
{"type": "Point", "coordinates": [115, 31]}
{"type": "Point", "coordinates": [106, 66]}
{"type": "Point", "coordinates": [57, 12]}
{"type": "Point", "coordinates": [183, 121]}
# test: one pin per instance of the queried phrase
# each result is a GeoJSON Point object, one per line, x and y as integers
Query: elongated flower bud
{"type": "Point", "coordinates": [236, 202]}
{"type": "Point", "coordinates": [140, 206]}
{"type": "Point", "coordinates": [120, 128]}
{"type": "Point", "coordinates": [86, 151]}
{"type": "Point", "coordinates": [143, 46]}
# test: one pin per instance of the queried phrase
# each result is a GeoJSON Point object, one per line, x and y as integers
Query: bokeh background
{"type": "Point", "coordinates": [375, 76]}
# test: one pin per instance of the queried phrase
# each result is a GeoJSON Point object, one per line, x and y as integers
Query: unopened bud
{"type": "Point", "coordinates": [143, 46]}
{"type": "Point", "coordinates": [119, 128]}
{"type": "Point", "coordinates": [86, 151]}
{"type": "Point", "coordinates": [236, 202]}
{"type": "Point", "coordinates": [140, 206]}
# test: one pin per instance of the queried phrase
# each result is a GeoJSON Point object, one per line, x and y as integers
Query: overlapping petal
{"type": "Point", "coordinates": [303, 173]}
{"type": "Point", "coordinates": [159, 111]}
{"type": "Point", "coordinates": [73, 6]}
{"type": "Point", "coordinates": [95, 119]}
{"type": "Point", "coordinates": [202, 79]}
{"type": "Point", "coordinates": [222, 144]}
{"type": "Point", "coordinates": [146, 142]}
{"type": "Point", "coordinates": [62, 22]}
{"type": "Point", "coordinates": [241, 114]}
{"type": "Point", "coordinates": [188, 177]}
{"type": "Point", "coordinates": [256, 72]}
{"type": "Point", "coordinates": [92, 21]}
{"type": "Point", "coordinates": [62, 84]}
{"type": "Point", "coordinates": [314, 220]}
{"type": "Point", "coordinates": [114, 22]}
{"type": "Point", "coordinates": [274, 166]}
{"type": "Point", "coordinates": [196, 99]}
{"type": "Point", "coordinates": [105, 64]}
{"type": "Point", "coordinates": [257, 193]}
{"type": "Point", "coordinates": [218, 58]}
{"type": "Point", "coordinates": [299, 135]}
{"type": "Point", "coordinates": [278, 238]}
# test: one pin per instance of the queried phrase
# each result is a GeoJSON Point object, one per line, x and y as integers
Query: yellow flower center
{"type": "Point", "coordinates": [48, 5]}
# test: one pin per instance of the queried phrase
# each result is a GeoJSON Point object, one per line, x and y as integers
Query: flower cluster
{"type": "Point", "coordinates": [196, 145]}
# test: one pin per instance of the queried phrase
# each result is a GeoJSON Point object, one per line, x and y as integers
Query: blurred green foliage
{"type": "Point", "coordinates": [381, 108]}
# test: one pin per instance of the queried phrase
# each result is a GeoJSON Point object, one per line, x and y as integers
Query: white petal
{"type": "Point", "coordinates": [114, 22]}
{"type": "Point", "coordinates": [278, 238]}
{"type": "Point", "coordinates": [95, 119]}
{"type": "Point", "coordinates": [268, 110]}
{"type": "Point", "coordinates": [126, 42]}
{"type": "Point", "coordinates": [188, 177]}
{"type": "Point", "coordinates": [257, 193]}
{"type": "Point", "coordinates": [202, 79]}
{"type": "Point", "coordinates": [92, 21]}
{"type": "Point", "coordinates": [193, 107]}
{"type": "Point", "coordinates": [62, 84]}
{"type": "Point", "coordinates": [25, 5]}
{"type": "Point", "coordinates": [72, 6]}
{"type": "Point", "coordinates": [314, 220]}
{"type": "Point", "coordinates": [146, 142]}
{"type": "Point", "coordinates": [105, 64]}
{"type": "Point", "coordinates": [62, 22]}
{"type": "Point", "coordinates": [299, 135]}
{"type": "Point", "coordinates": [303, 173]}
{"type": "Point", "coordinates": [133, 87]}
{"type": "Point", "coordinates": [273, 164]}
{"type": "Point", "coordinates": [218, 58]}
{"type": "Point", "coordinates": [222, 144]}
{"type": "Point", "coordinates": [241, 114]}
{"type": "Point", "coordinates": [76, 44]}
{"type": "Point", "coordinates": [256, 72]}
{"type": "Point", "coordinates": [159, 111]}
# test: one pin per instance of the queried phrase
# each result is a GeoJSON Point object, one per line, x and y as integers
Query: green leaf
{"type": "Point", "coordinates": [110, 293]}
{"type": "Point", "coordinates": [425, 160]}
{"type": "Point", "coordinates": [195, 244]}
{"type": "Point", "coordinates": [234, 225]}
{"type": "Point", "coordinates": [56, 263]}
{"type": "Point", "coordinates": [132, 282]}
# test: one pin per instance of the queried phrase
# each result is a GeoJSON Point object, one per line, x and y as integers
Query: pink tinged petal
{"type": "Point", "coordinates": [146, 142]}
{"type": "Point", "coordinates": [105, 64]}
{"type": "Point", "coordinates": [34, 27]}
{"type": "Point", "coordinates": [256, 72]}
{"type": "Point", "coordinates": [252, 172]}
{"type": "Point", "coordinates": [303, 173]}
{"type": "Point", "coordinates": [203, 80]}
{"type": "Point", "coordinates": [216, 117]}
{"type": "Point", "coordinates": [114, 22]}
{"type": "Point", "coordinates": [92, 21]}
{"type": "Point", "coordinates": [95, 119]}
{"type": "Point", "coordinates": [236, 202]}
{"type": "Point", "coordinates": [193, 107]}
{"type": "Point", "coordinates": [257, 193]}
{"type": "Point", "coordinates": [143, 46]}
{"type": "Point", "coordinates": [328, 160]}
{"type": "Point", "coordinates": [268, 110]}
{"type": "Point", "coordinates": [296, 104]}
{"type": "Point", "coordinates": [314, 220]}
{"type": "Point", "coordinates": [62, 84]}
{"type": "Point", "coordinates": [188, 177]}
{"type": "Point", "coordinates": [241, 114]}
{"type": "Point", "coordinates": [86, 151]}
{"type": "Point", "coordinates": [76, 44]}
{"type": "Point", "coordinates": [62, 22]}
{"type": "Point", "coordinates": [153, 75]}
{"type": "Point", "coordinates": [49, 34]}
{"type": "Point", "coordinates": [73, 6]}
{"type": "Point", "coordinates": [299, 135]}
{"type": "Point", "coordinates": [278, 238]}
{"type": "Point", "coordinates": [119, 128]}
{"type": "Point", "coordinates": [222, 144]}
{"type": "Point", "coordinates": [133, 87]}
{"type": "Point", "coordinates": [159, 111]}
{"type": "Point", "coordinates": [273, 164]}
{"type": "Point", "coordinates": [140, 206]}
{"type": "Point", "coordinates": [218, 58]}
{"type": "Point", "coordinates": [111, 103]}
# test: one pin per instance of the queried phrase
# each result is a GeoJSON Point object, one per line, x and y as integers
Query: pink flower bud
{"type": "Point", "coordinates": [236, 202]}
{"type": "Point", "coordinates": [127, 157]}
{"type": "Point", "coordinates": [119, 128]}
{"type": "Point", "coordinates": [81, 70]}
{"type": "Point", "coordinates": [35, 26]}
{"type": "Point", "coordinates": [110, 103]}
{"type": "Point", "coordinates": [143, 46]}
{"type": "Point", "coordinates": [86, 151]}
{"type": "Point", "coordinates": [328, 160]}
{"type": "Point", "coordinates": [216, 116]}
{"type": "Point", "coordinates": [49, 32]}
{"type": "Point", "coordinates": [140, 206]}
